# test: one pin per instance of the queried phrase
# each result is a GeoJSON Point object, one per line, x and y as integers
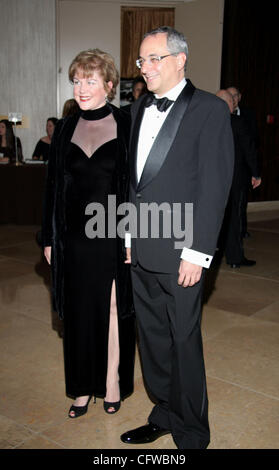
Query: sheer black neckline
{"type": "Point", "coordinates": [94, 114]}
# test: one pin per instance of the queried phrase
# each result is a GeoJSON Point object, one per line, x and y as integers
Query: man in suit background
{"type": "Point", "coordinates": [181, 152]}
{"type": "Point", "coordinates": [245, 162]}
{"type": "Point", "coordinates": [248, 115]}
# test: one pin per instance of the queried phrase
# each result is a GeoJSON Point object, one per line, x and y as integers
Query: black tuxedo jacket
{"type": "Point", "coordinates": [250, 119]}
{"type": "Point", "coordinates": [246, 157]}
{"type": "Point", "coordinates": [191, 161]}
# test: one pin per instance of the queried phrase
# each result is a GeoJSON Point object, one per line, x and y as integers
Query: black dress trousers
{"type": "Point", "coordinates": [169, 317]}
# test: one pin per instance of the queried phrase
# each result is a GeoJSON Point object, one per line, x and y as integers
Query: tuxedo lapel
{"type": "Point", "coordinates": [164, 139]}
{"type": "Point", "coordinates": [134, 142]}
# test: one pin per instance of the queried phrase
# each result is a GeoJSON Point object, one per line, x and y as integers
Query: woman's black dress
{"type": "Point", "coordinates": [10, 152]}
{"type": "Point", "coordinates": [89, 262]}
{"type": "Point", "coordinates": [41, 150]}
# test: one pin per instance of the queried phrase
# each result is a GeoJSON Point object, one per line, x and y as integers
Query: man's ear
{"type": "Point", "coordinates": [181, 60]}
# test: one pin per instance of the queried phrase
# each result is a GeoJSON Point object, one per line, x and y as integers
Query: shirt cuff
{"type": "Point", "coordinates": [127, 240]}
{"type": "Point", "coordinates": [196, 257]}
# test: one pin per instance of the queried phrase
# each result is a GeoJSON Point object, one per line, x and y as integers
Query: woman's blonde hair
{"type": "Point", "coordinates": [95, 59]}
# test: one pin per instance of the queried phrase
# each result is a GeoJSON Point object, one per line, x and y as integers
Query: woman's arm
{"type": "Point", "coordinates": [47, 253]}
{"type": "Point", "coordinates": [49, 195]}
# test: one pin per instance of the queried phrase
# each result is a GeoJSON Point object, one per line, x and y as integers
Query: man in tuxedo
{"type": "Point", "coordinates": [246, 113]}
{"type": "Point", "coordinates": [249, 117]}
{"type": "Point", "coordinates": [181, 152]}
{"type": "Point", "coordinates": [245, 162]}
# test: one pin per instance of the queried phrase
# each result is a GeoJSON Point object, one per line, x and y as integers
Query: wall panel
{"type": "Point", "coordinates": [28, 65]}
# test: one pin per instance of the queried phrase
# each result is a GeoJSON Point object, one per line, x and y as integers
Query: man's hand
{"type": "Point", "coordinates": [128, 256]}
{"type": "Point", "coordinates": [189, 274]}
{"type": "Point", "coordinates": [256, 182]}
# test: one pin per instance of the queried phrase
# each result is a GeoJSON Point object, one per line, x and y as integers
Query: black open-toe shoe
{"type": "Point", "coordinates": [108, 405]}
{"type": "Point", "coordinates": [79, 410]}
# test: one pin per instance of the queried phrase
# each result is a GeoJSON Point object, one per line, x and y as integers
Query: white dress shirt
{"type": "Point", "coordinates": [152, 122]}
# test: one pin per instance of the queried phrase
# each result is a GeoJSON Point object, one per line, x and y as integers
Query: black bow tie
{"type": "Point", "coordinates": [162, 103]}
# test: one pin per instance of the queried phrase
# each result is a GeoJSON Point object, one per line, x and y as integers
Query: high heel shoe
{"type": "Point", "coordinates": [108, 405]}
{"type": "Point", "coordinates": [79, 410]}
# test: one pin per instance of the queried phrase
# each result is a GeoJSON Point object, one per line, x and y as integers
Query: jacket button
{"type": "Point", "coordinates": [139, 195]}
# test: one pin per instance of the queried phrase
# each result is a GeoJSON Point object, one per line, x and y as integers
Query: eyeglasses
{"type": "Point", "coordinates": [153, 60]}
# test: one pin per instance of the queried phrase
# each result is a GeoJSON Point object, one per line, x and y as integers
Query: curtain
{"type": "Point", "coordinates": [135, 22]}
{"type": "Point", "coordinates": [250, 61]}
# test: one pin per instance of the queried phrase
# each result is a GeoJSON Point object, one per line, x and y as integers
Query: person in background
{"type": "Point", "coordinates": [7, 143]}
{"type": "Point", "coordinates": [249, 116]}
{"type": "Point", "coordinates": [138, 89]}
{"type": "Point", "coordinates": [70, 107]}
{"type": "Point", "coordinates": [90, 277]}
{"type": "Point", "coordinates": [245, 157]}
{"type": "Point", "coordinates": [246, 113]}
{"type": "Point", "coordinates": [42, 148]}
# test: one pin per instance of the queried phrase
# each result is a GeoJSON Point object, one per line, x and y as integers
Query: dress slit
{"type": "Point", "coordinates": [113, 354]}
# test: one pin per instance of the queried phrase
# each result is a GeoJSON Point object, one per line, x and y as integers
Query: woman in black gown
{"type": "Point", "coordinates": [42, 147]}
{"type": "Point", "coordinates": [90, 266]}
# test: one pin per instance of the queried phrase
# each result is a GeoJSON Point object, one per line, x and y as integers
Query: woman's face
{"type": "Point", "coordinates": [50, 128]}
{"type": "Point", "coordinates": [2, 128]}
{"type": "Point", "coordinates": [89, 92]}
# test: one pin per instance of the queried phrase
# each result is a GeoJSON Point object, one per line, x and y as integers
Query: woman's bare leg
{"type": "Point", "coordinates": [112, 384]}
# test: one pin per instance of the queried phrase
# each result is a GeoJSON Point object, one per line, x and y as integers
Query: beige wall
{"type": "Point", "coordinates": [34, 84]}
{"type": "Point", "coordinates": [84, 24]}
{"type": "Point", "coordinates": [201, 21]}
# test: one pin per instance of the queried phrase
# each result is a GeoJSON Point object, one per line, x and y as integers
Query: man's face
{"type": "Point", "coordinates": [160, 77]}
{"type": "Point", "coordinates": [227, 97]}
{"type": "Point", "coordinates": [235, 96]}
{"type": "Point", "coordinates": [229, 100]}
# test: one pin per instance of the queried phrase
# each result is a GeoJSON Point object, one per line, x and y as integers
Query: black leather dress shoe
{"type": "Point", "coordinates": [144, 434]}
{"type": "Point", "coordinates": [244, 262]}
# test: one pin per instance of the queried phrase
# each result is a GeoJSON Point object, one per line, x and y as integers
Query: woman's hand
{"type": "Point", "coordinates": [47, 253]}
{"type": "Point", "coordinates": [128, 256]}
